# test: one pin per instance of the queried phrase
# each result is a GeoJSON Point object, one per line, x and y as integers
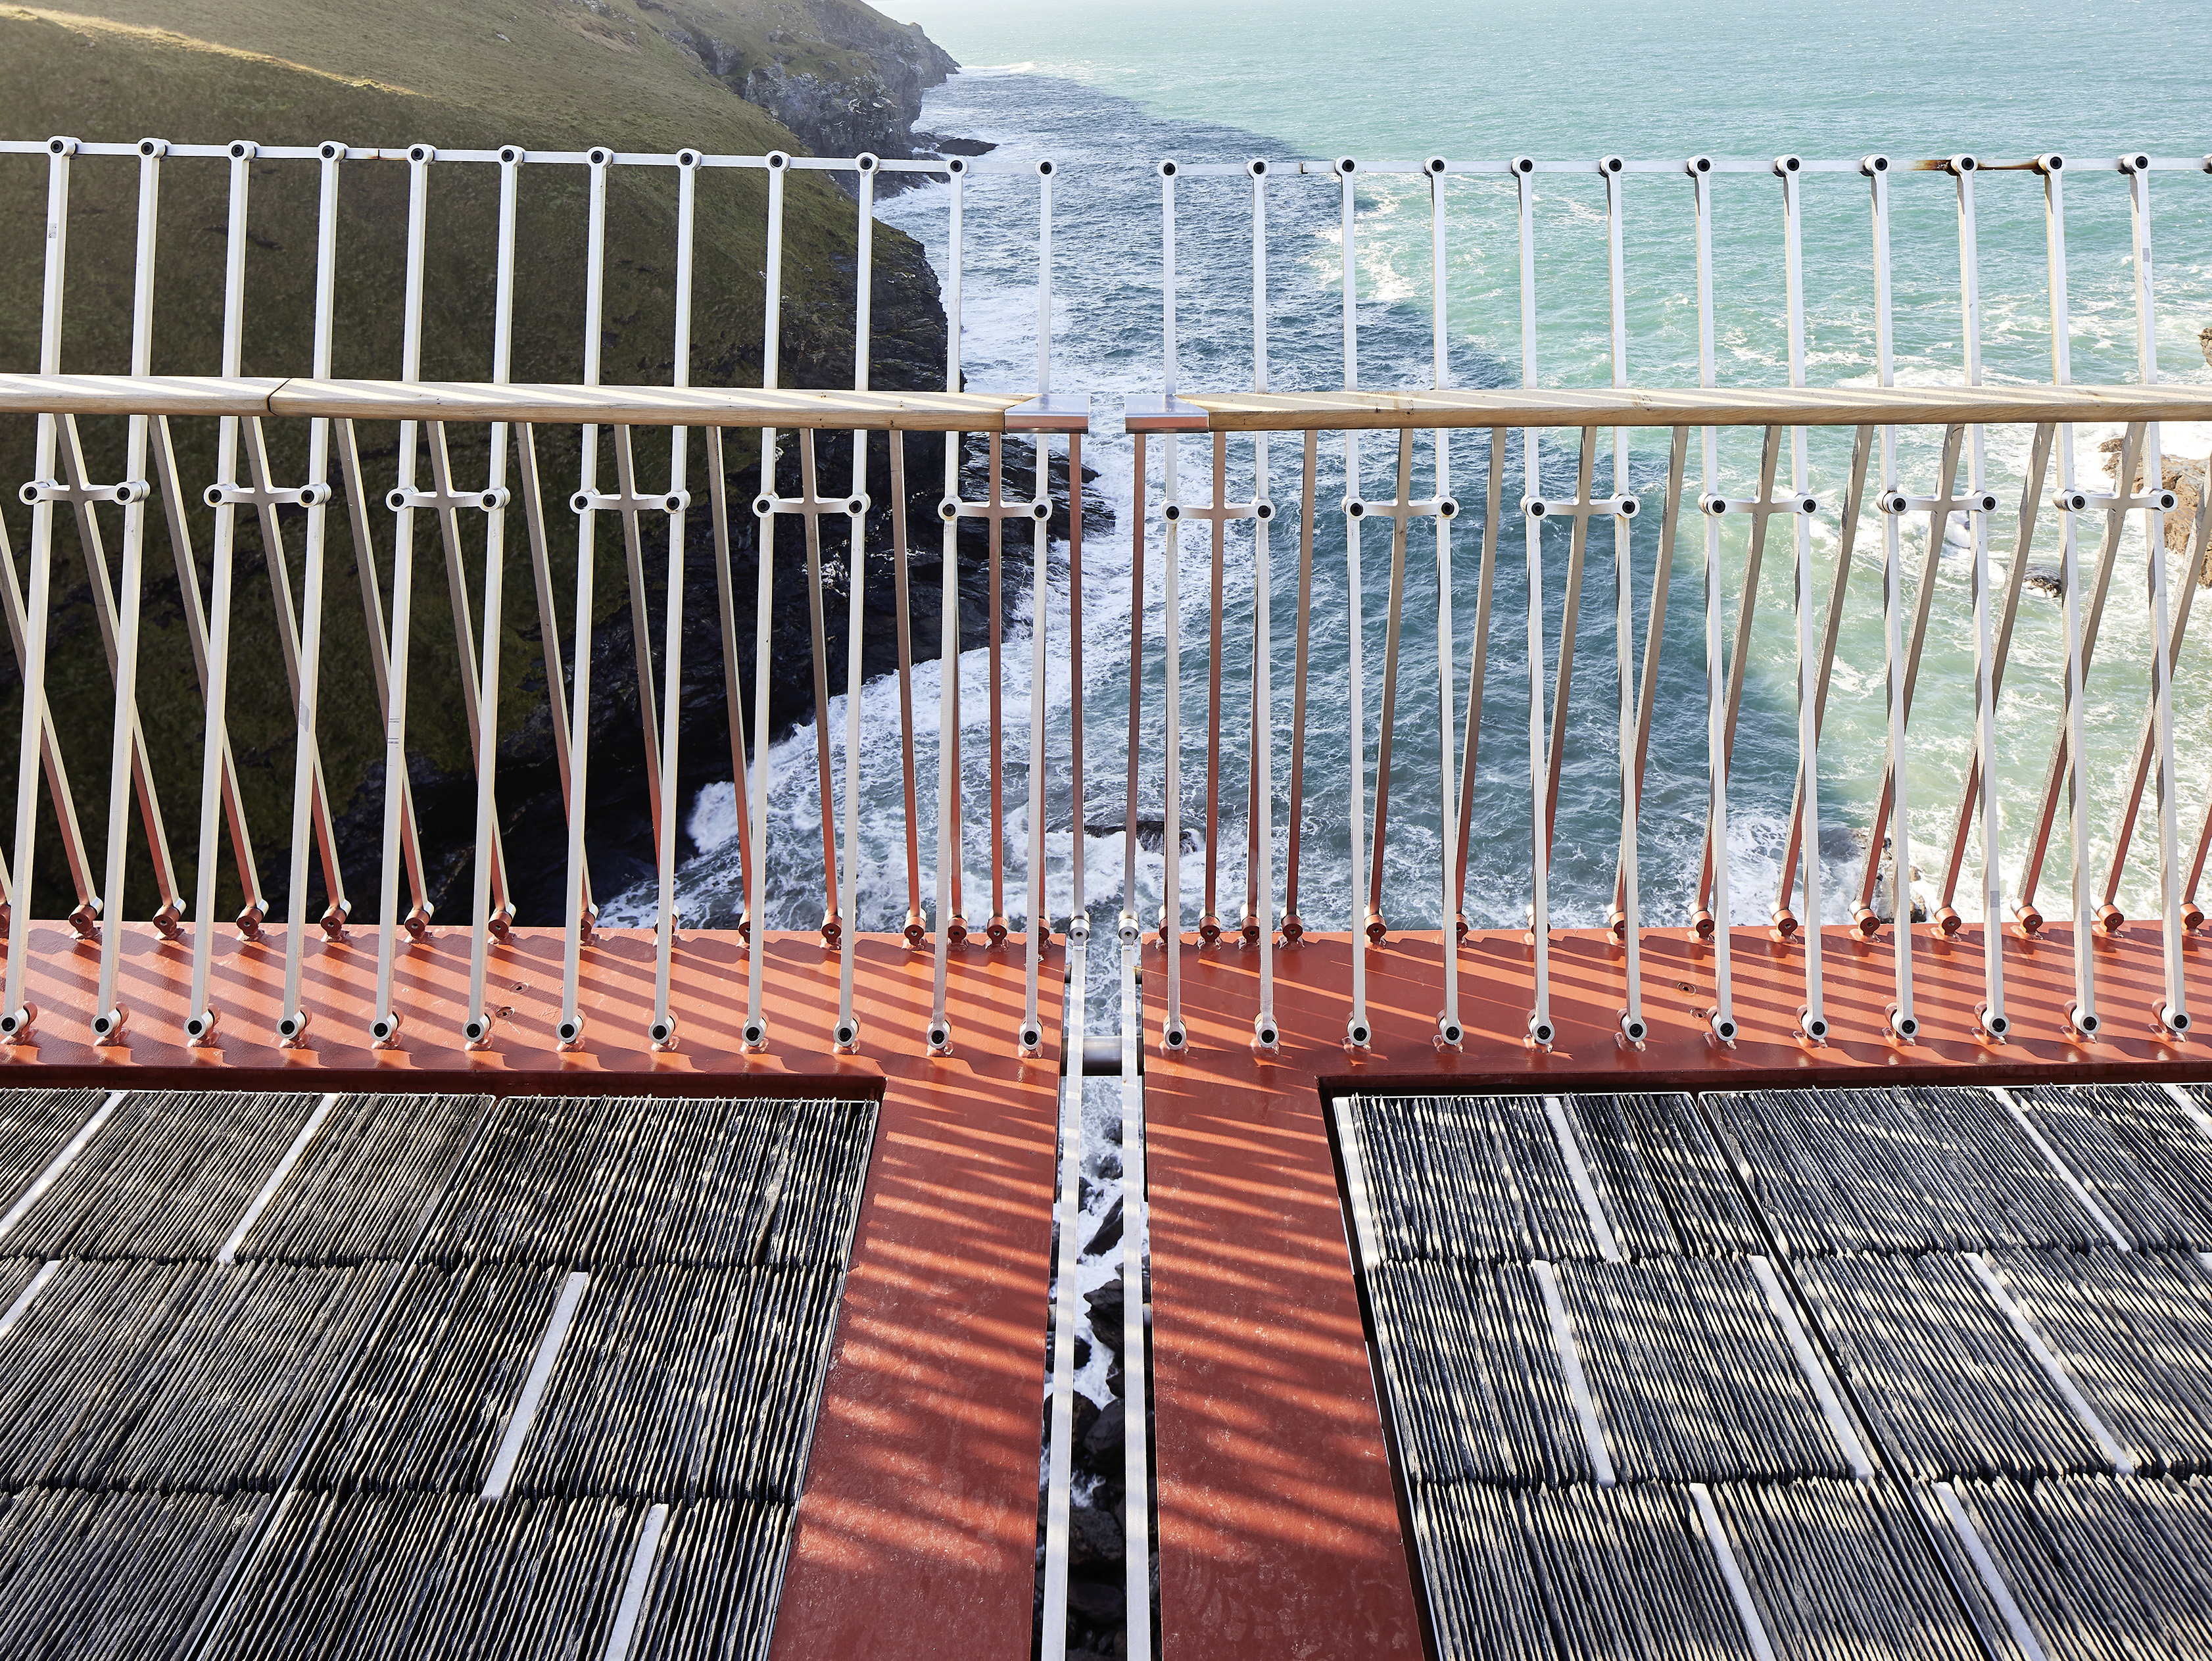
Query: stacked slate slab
{"type": "Point", "coordinates": [1832, 1373]}
{"type": "Point", "coordinates": [258, 1355]}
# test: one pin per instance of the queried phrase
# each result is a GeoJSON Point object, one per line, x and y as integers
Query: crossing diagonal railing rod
{"type": "Point", "coordinates": [1957, 413]}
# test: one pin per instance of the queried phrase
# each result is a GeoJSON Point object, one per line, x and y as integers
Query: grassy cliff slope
{"type": "Point", "coordinates": [544, 74]}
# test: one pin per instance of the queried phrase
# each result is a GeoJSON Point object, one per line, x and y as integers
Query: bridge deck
{"type": "Point", "coordinates": [1281, 1525]}
{"type": "Point", "coordinates": [1278, 1531]}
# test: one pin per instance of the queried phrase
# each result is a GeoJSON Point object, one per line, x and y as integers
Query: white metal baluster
{"type": "Point", "coordinates": [292, 1022]}
{"type": "Point", "coordinates": [2173, 1012]}
{"type": "Point", "coordinates": [848, 1034]}
{"type": "Point", "coordinates": [476, 1029]}
{"type": "Point", "coordinates": [755, 1029]}
{"type": "Point", "coordinates": [1540, 1030]}
{"type": "Point", "coordinates": [1721, 1021]}
{"type": "Point", "coordinates": [1173, 1035]}
{"type": "Point", "coordinates": [1902, 1021]}
{"type": "Point", "coordinates": [1623, 621]}
{"type": "Point", "coordinates": [199, 1023]}
{"type": "Point", "coordinates": [1449, 1033]}
{"type": "Point", "coordinates": [948, 649]}
{"type": "Point", "coordinates": [2081, 1014]}
{"type": "Point", "coordinates": [107, 1022]}
{"type": "Point", "coordinates": [1038, 925]}
{"type": "Point", "coordinates": [15, 1024]}
{"type": "Point", "coordinates": [384, 1028]}
{"type": "Point", "coordinates": [570, 1032]}
{"type": "Point", "coordinates": [1991, 1013]}
{"type": "Point", "coordinates": [1358, 1034]}
{"type": "Point", "coordinates": [1811, 1020]}
{"type": "Point", "coordinates": [662, 1032]}
{"type": "Point", "coordinates": [1266, 1034]}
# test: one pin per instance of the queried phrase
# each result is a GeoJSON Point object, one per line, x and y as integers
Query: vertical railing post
{"type": "Point", "coordinates": [109, 1015]}
{"type": "Point", "coordinates": [1721, 1018]}
{"type": "Point", "coordinates": [1540, 1030]}
{"type": "Point", "coordinates": [570, 1031]}
{"type": "Point", "coordinates": [1628, 924]}
{"type": "Point", "coordinates": [200, 1021]}
{"type": "Point", "coordinates": [2172, 1012]}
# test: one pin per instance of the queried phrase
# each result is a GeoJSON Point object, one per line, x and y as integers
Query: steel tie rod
{"type": "Point", "coordinates": [265, 496]}
{"type": "Point", "coordinates": [1569, 617]}
{"type": "Point", "coordinates": [1760, 509]}
{"type": "Point", "coordinates": [130, 495]}
{"type": "Point", "coordinates": [2115, 508]}
{"type": "Point", "coordinates": [1939, 509]}
{"type": "Point", "coordinates": [1293, 925]}
{"type": "Point", "coordinates": [718, 500]}
{"type": "Point", "coordinates": [1400, 512]}
{"type": "Point", "coordinates": [168, 482]}
{"type": "Point", "coordinates": [447, 503]}
{"type": "Point", "coordinates": [1476, 674]}
{"type": "Point", "coordinates": [548, 631]}
{"type": "Point", "coordinates": [1131, 924]}
{"type": "Point", "coordinates": [2146, 746]}
{"type": "Point", "coordinates": [1218, 512]}
{"type": "Point", "coordinates": [1969, 796]}
{"type": "Point", "coordinates": [916, 929]}
{"type": "Point", "coordinates": [372, 600]}
{"type": "Point", "coordinates": [1655, 626]}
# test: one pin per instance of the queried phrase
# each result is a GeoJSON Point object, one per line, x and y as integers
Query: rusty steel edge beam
{"type": "Point", "coordinates": [468, 401]}
{"type": "Point", "coordinates": [1788, 406]}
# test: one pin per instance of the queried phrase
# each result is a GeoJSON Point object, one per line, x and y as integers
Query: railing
{"type": "Point", "coordinates": [1782, 416]}
{"type": "Point", "coordinates": [1877, 489]}
{"type": "Point", "coordinates": [515, 414]}
{"type": "Point", "coordinates": [1946, 475]}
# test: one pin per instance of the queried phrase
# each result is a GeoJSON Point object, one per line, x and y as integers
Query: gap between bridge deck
{"type": "Point", "coordinates": [1279, 1533]}
{"type": "Point", "coordinates": [916, 1532]}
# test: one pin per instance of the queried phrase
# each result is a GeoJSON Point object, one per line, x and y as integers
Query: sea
{"type": "Point", "coordinates": [1108, 92]}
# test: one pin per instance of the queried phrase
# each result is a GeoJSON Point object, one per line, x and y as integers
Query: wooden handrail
{"type": "Point", "coordinates": [1688, 406]}
{"type": "Point", "coordinates": [552, 404]}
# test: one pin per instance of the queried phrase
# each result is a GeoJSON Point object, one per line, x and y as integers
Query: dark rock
{"type": "Point", "coordinates": [1086, 1415]}
{"type": "Point", "coordinates": [2047, 580]}
{"type": "Point", "coordinates": [1104, 1602]}
{"type": "Point", "coordinates": [1082, 1351]}
{"type": "Point", "coordinates": [1094, 1536]}
{"type": "Point", "coordinates": [938, 144]}
{"type": "Point", "coordinates": [1151, 833]}
{"type": "Point", "coordinates": [1106, 1166]}
{"type": "Point", "coordinates": [1105, 1304]}
{"type": "Point", "coordinates": [1108, 1234]}
{"type": "Point", "coordinates": [1105, 1437]}
{"type": "Point", "coordinates": [846, 81]}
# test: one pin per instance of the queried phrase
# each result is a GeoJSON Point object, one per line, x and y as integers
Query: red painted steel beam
{"type": "Point", "coordinates": [1278, 1530]}
{"type": "Point", "coordinates": [916, 1534]}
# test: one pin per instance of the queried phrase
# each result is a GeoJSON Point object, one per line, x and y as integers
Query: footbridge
{"type": "Point", "coordinates": [1529, 1241]}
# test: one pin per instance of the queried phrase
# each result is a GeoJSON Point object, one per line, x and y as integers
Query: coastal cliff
{"type": "Point", "coordinates": [835, 77]}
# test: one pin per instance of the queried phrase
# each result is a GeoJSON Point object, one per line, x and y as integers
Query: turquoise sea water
{"type": "Point", "coordinates": [1107, 91]}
